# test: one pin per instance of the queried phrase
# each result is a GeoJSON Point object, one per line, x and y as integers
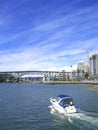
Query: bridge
{"type": "Point", "coordinates": [20, 73]}
{"type": "Point", "coordinates": [46, 75]}
{"type": "Point", "coordinates": [32, 72]}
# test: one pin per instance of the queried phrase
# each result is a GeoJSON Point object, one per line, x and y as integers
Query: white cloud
{"type": "Point", "coordinates": [37, 59]}
{"type": "Point", "coordinates": [50, 42]}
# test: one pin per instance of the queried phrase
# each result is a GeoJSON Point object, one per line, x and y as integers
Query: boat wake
{"type": "Point", "coordinates": [81, 118]}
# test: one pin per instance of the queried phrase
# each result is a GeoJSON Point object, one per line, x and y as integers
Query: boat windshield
{"type": "Point", "coordinates": [66, 102]}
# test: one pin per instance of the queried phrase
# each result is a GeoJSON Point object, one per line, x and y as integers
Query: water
{"type": "Point", "coordinates": [24, 106]}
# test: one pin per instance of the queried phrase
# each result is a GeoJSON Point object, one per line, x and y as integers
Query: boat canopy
{"type": "Point", "coordinates": [63, 96]}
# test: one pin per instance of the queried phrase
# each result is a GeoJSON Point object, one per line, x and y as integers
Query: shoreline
{"type": "Point", "coordinates": [94, 85]}
{"type": "Point", "coordinates": [69, 82]}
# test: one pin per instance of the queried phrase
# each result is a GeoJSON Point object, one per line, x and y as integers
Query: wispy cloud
{"type": "Point", "coordinates": [48, 36]}
{"type": "Point", "coordinates": [40, 58]}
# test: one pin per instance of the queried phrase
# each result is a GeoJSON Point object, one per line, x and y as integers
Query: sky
{"type": "Point", "coordinates": [51, 35]}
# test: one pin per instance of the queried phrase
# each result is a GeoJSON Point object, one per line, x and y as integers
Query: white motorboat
{"type": "Point", "coordinates": [63, 104]}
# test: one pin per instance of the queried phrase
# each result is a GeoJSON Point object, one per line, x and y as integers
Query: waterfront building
{"type": "Point", "coordinates": [81, 66]}
{"type": "Point", "coordinates": [82, 70]}
{"type": "Point", "coordinates": [86, 68]}
{"type": "Point", "coordinates": [94, 65]}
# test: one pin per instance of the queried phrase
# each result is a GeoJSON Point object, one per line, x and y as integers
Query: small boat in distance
{"type": "Point", "coordinates": [63, 104]}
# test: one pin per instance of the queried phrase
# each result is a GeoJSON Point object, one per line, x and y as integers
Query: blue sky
{"type": "Point", "coordinates": [47, 34]}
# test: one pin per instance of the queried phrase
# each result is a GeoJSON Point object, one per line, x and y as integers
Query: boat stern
{"type": "Point", "coordinates": [71, 109]}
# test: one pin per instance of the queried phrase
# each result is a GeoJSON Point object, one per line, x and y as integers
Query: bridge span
{"type": "Point", "coordinates": [46, 75]}
{"type": "Point", "coordinates": [32, 72]}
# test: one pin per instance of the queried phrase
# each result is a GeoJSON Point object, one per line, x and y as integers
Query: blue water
{"type": "Point", "coordinates": [24, 106]}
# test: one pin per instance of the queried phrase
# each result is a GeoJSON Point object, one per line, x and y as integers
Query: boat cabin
{"type": "Point", "coordinates": [65, 101]}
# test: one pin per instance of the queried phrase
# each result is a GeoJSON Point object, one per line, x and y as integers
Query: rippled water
{"type": "Point", "coordinates": [24, 106]}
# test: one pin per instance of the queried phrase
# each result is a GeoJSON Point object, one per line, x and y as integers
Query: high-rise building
{"type": "Point", "coordinates": [82, 70]}
{"type": "Point", "coordinates": [94, 65]}
{"type": "Point", "coordinates": [81, 66]}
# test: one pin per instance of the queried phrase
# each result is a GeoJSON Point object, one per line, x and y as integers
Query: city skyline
{"type": "Point", "coordinates": [47, 34]}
